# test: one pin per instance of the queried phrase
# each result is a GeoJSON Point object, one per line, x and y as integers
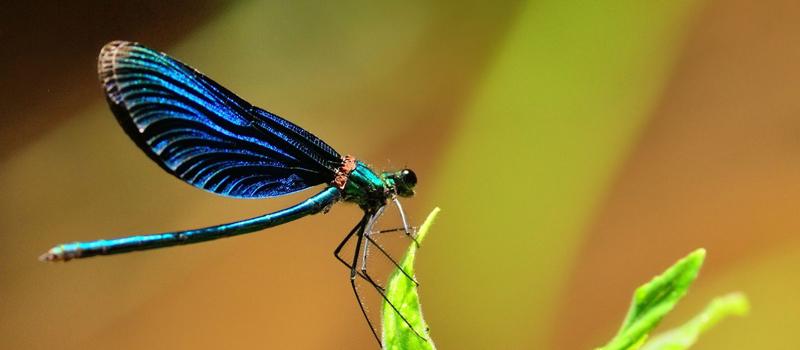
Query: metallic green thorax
{"type": "Point", "coordinates": [366, 188]}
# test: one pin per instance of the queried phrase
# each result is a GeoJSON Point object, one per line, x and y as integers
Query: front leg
{"type": "Point", "coordinates": [357, 227]}
{"type": "Point", "coordinates": [360, 231]}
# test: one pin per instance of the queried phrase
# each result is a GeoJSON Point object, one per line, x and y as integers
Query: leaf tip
{"type": "Point", "coordinates": [423, 230]}
{"type": "Point", "coordinates": [698, 255]}
{"type": "Point", "coordinates": [691, 264]}
{"type": "Point", "coordinates": [735, 303]}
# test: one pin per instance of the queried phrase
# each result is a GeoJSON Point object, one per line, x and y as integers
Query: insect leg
{"type": "Point", "coordinates": [394, 262]}
{"type": "Point", "coordinates": [406, 228]}
{"type": "Point", "coordinates": [353, 273]}
{"type": "Point", "coordinates": [365, 275]}
{"type": "Point", "coordinates": [380, 291]}
{"type": "Point", "coordinates": [346, 239]}
{"type": "Point", "coordinates": [389, 230]}
{"type": "Point", "coordinates": [368, 231]}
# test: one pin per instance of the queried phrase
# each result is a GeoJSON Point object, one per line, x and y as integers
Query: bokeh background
{"type": "Point", "coordinates": [576, 148]}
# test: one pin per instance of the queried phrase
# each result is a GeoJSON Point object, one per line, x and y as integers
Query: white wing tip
{"type": "Point", "coordinates": [105, 65]}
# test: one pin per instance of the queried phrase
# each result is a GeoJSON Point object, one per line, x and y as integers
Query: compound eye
{"type": "Point", "coordinates": [408, 177]}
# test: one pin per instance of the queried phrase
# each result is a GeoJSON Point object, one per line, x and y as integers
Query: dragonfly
{"type": "Point", "coordinates": [205, 135]}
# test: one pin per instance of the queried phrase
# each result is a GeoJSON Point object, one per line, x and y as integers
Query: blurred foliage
{"type": "Point", "coordinates": [686, 335]}
{"type": "Point", "coordinates": [655, 299]}
{"type": "Point", "coordinates": [525, 168]}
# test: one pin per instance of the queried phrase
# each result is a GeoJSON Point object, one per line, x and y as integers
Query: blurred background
{"type": "Point", "coordinates": [576, 148]}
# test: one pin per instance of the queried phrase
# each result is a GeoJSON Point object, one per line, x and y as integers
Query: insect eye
{"type": "Point", "coordinates": [408, 177]}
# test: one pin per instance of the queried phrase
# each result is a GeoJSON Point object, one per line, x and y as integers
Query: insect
{"type": "Point", "coordinates": [207, 136]}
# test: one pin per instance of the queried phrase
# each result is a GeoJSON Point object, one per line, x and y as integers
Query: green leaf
{"type": "Point", "coordinates": [403, 294]}
{"type": "Point", "coordinates": [653, 300]}
{"type": "Point", "coordinates": [686, 335]}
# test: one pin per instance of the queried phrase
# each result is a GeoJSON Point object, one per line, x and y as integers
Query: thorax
{"type": "Point", "coordinates": [366, 188]}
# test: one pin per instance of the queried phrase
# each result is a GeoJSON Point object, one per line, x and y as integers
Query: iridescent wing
{"type": "Point", "coordinates": [204, 134]}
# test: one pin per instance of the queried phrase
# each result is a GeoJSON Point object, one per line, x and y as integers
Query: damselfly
{"type": "Point", "coordinates": [207, 136]}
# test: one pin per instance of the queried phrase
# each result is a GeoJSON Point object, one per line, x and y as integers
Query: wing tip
{"type": "Point", "coordinates": [106, 62]}
{"type": "Point", "coordinates": [108, 54]}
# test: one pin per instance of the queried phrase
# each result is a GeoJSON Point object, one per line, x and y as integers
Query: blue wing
{"type": "Point", "coordinates": [205, 135]}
